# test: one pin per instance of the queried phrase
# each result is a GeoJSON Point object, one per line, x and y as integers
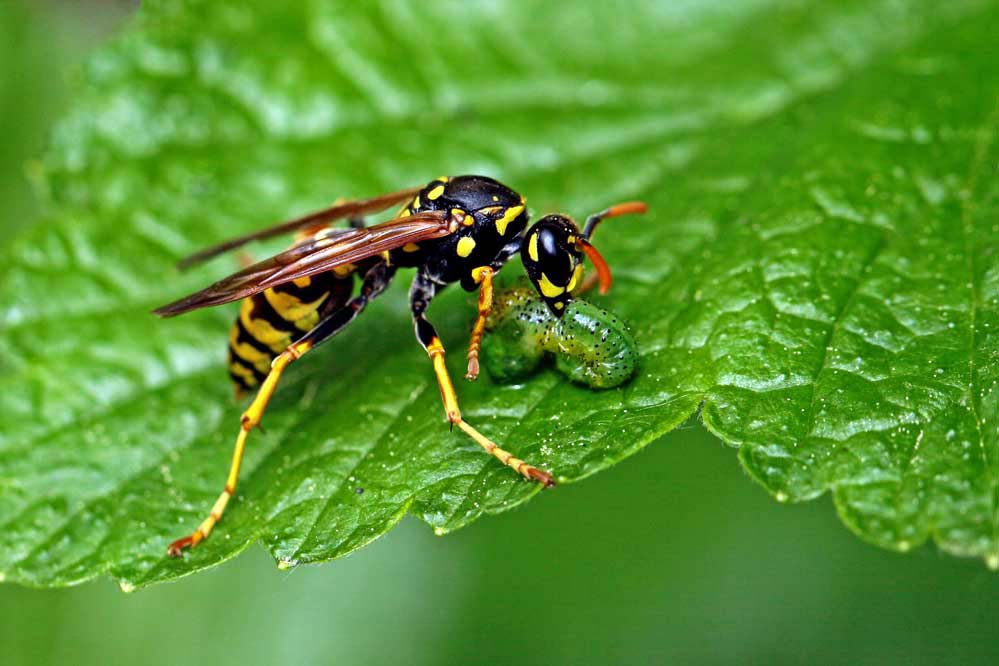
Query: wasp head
{"type": "Point", "coordinates": [553, 252]}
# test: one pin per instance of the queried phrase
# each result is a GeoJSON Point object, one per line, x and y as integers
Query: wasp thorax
{"type": "Point", "coordinates": [552, 256]}
{"type": "Point", "coordinates": [479, 192]}
{"type": "Point", "coordinates": [478, 200]}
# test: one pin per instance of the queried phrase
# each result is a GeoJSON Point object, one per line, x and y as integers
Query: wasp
{"type": "Point", "coordinates": [454, 229]}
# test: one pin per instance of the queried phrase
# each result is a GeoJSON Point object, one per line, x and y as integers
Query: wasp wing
{"type": "Point", "coordinates": [315, 255]}
{"type": "Point", "coordinates": [334, 212]}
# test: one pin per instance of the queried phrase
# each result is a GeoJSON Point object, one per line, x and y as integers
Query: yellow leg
{"type": "Point", "coordinates": [450, 399]}
{"type": "Point", "coordinates": [250, 419]}
{"type": "Point", "coordinates": [484, 276]}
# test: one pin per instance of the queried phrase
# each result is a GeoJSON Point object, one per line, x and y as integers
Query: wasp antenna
{"type": "Point", "coordinates": [627, 208]}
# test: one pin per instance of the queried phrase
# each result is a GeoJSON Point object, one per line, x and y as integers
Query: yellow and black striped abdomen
{"type": "Point", "coordinates": [270, 321]}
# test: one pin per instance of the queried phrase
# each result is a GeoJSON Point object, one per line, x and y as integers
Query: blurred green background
{"type": "Point", "coordinates": [672, 555]}
{"type": "Point", "coordinates": [39, 42]}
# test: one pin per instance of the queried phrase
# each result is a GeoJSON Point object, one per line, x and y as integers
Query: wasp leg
{"type": "Point", "coordinates": [420, 295]}
{"type": "Point", "coordinates": [484, 276]}
{"type": "Point", "coordinates": [375, 282]}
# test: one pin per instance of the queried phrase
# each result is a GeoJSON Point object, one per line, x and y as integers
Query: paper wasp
{"type": "Point", "coordinates": [461, 229]}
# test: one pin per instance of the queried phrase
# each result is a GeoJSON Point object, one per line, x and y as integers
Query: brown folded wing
{"type": "Point", "coordinates": [326, 215]}
{"type": "Point", "coordinates": [315, 255]}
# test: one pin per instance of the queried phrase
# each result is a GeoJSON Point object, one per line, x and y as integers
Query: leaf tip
{"type": "Point", "coordinates": [992, 561]}
{"type": "Point", "coordinates": [3, 576]}
{"type": "Point", "coordinates": [781, 496]}
{"type": "Point", "coordinates": [126, 586]}
{"type": "Point", "coordinates": [285, 565]}
{"type": "Point", "coordinates": [440, 531]}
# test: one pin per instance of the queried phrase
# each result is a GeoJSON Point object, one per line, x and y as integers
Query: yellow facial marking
{"type": "Point", "coordinates": [559, 305]}
{"type": "Point", "coordinates": [548, 289]}
{"type": "Point", "coordinates": [532, 247]}
{"type": "Point", "coordinates": [416, 202]}
{"type": "Point", "coordinates": [410, 247]}
{"type": "Point", "coordinates": [302, 282]}
{"type": "Point", "coordinates": [465, 246]}
{"type": "Point", "coordinates": [509, 216]}
{"type": "Point", "coordinates": [435, 193]}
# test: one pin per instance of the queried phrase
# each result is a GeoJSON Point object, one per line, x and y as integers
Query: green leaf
{"type": "Point", "coordinates": [817, 272]}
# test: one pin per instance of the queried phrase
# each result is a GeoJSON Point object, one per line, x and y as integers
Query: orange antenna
{"type": "Point", "coordinates": [628, 208]}
{"type": "Point", "coordinates": [603, 269]}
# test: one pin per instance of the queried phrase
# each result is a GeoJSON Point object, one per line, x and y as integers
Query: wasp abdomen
{"type": "Point", "coordinates": [270, 321]}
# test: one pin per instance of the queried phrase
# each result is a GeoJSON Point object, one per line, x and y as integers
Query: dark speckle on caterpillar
{"type": "Point", "coordinates": [590, 345]}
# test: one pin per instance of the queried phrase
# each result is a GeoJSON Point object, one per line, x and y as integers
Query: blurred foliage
{"type": "Point", "coordinates": [40, 43]}
{"type": "Point", "coordinates": [671, 556]}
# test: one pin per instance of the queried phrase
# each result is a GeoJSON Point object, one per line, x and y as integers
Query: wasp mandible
{"type": "Point", "coordinates": [461, 229]}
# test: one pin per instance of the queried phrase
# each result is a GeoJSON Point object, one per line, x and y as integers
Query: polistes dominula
{"type": "Point", "coordinates": [461, 229]}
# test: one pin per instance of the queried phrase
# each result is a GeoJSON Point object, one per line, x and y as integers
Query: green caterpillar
{"type": "Point", "coordinates": [591, 346]}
